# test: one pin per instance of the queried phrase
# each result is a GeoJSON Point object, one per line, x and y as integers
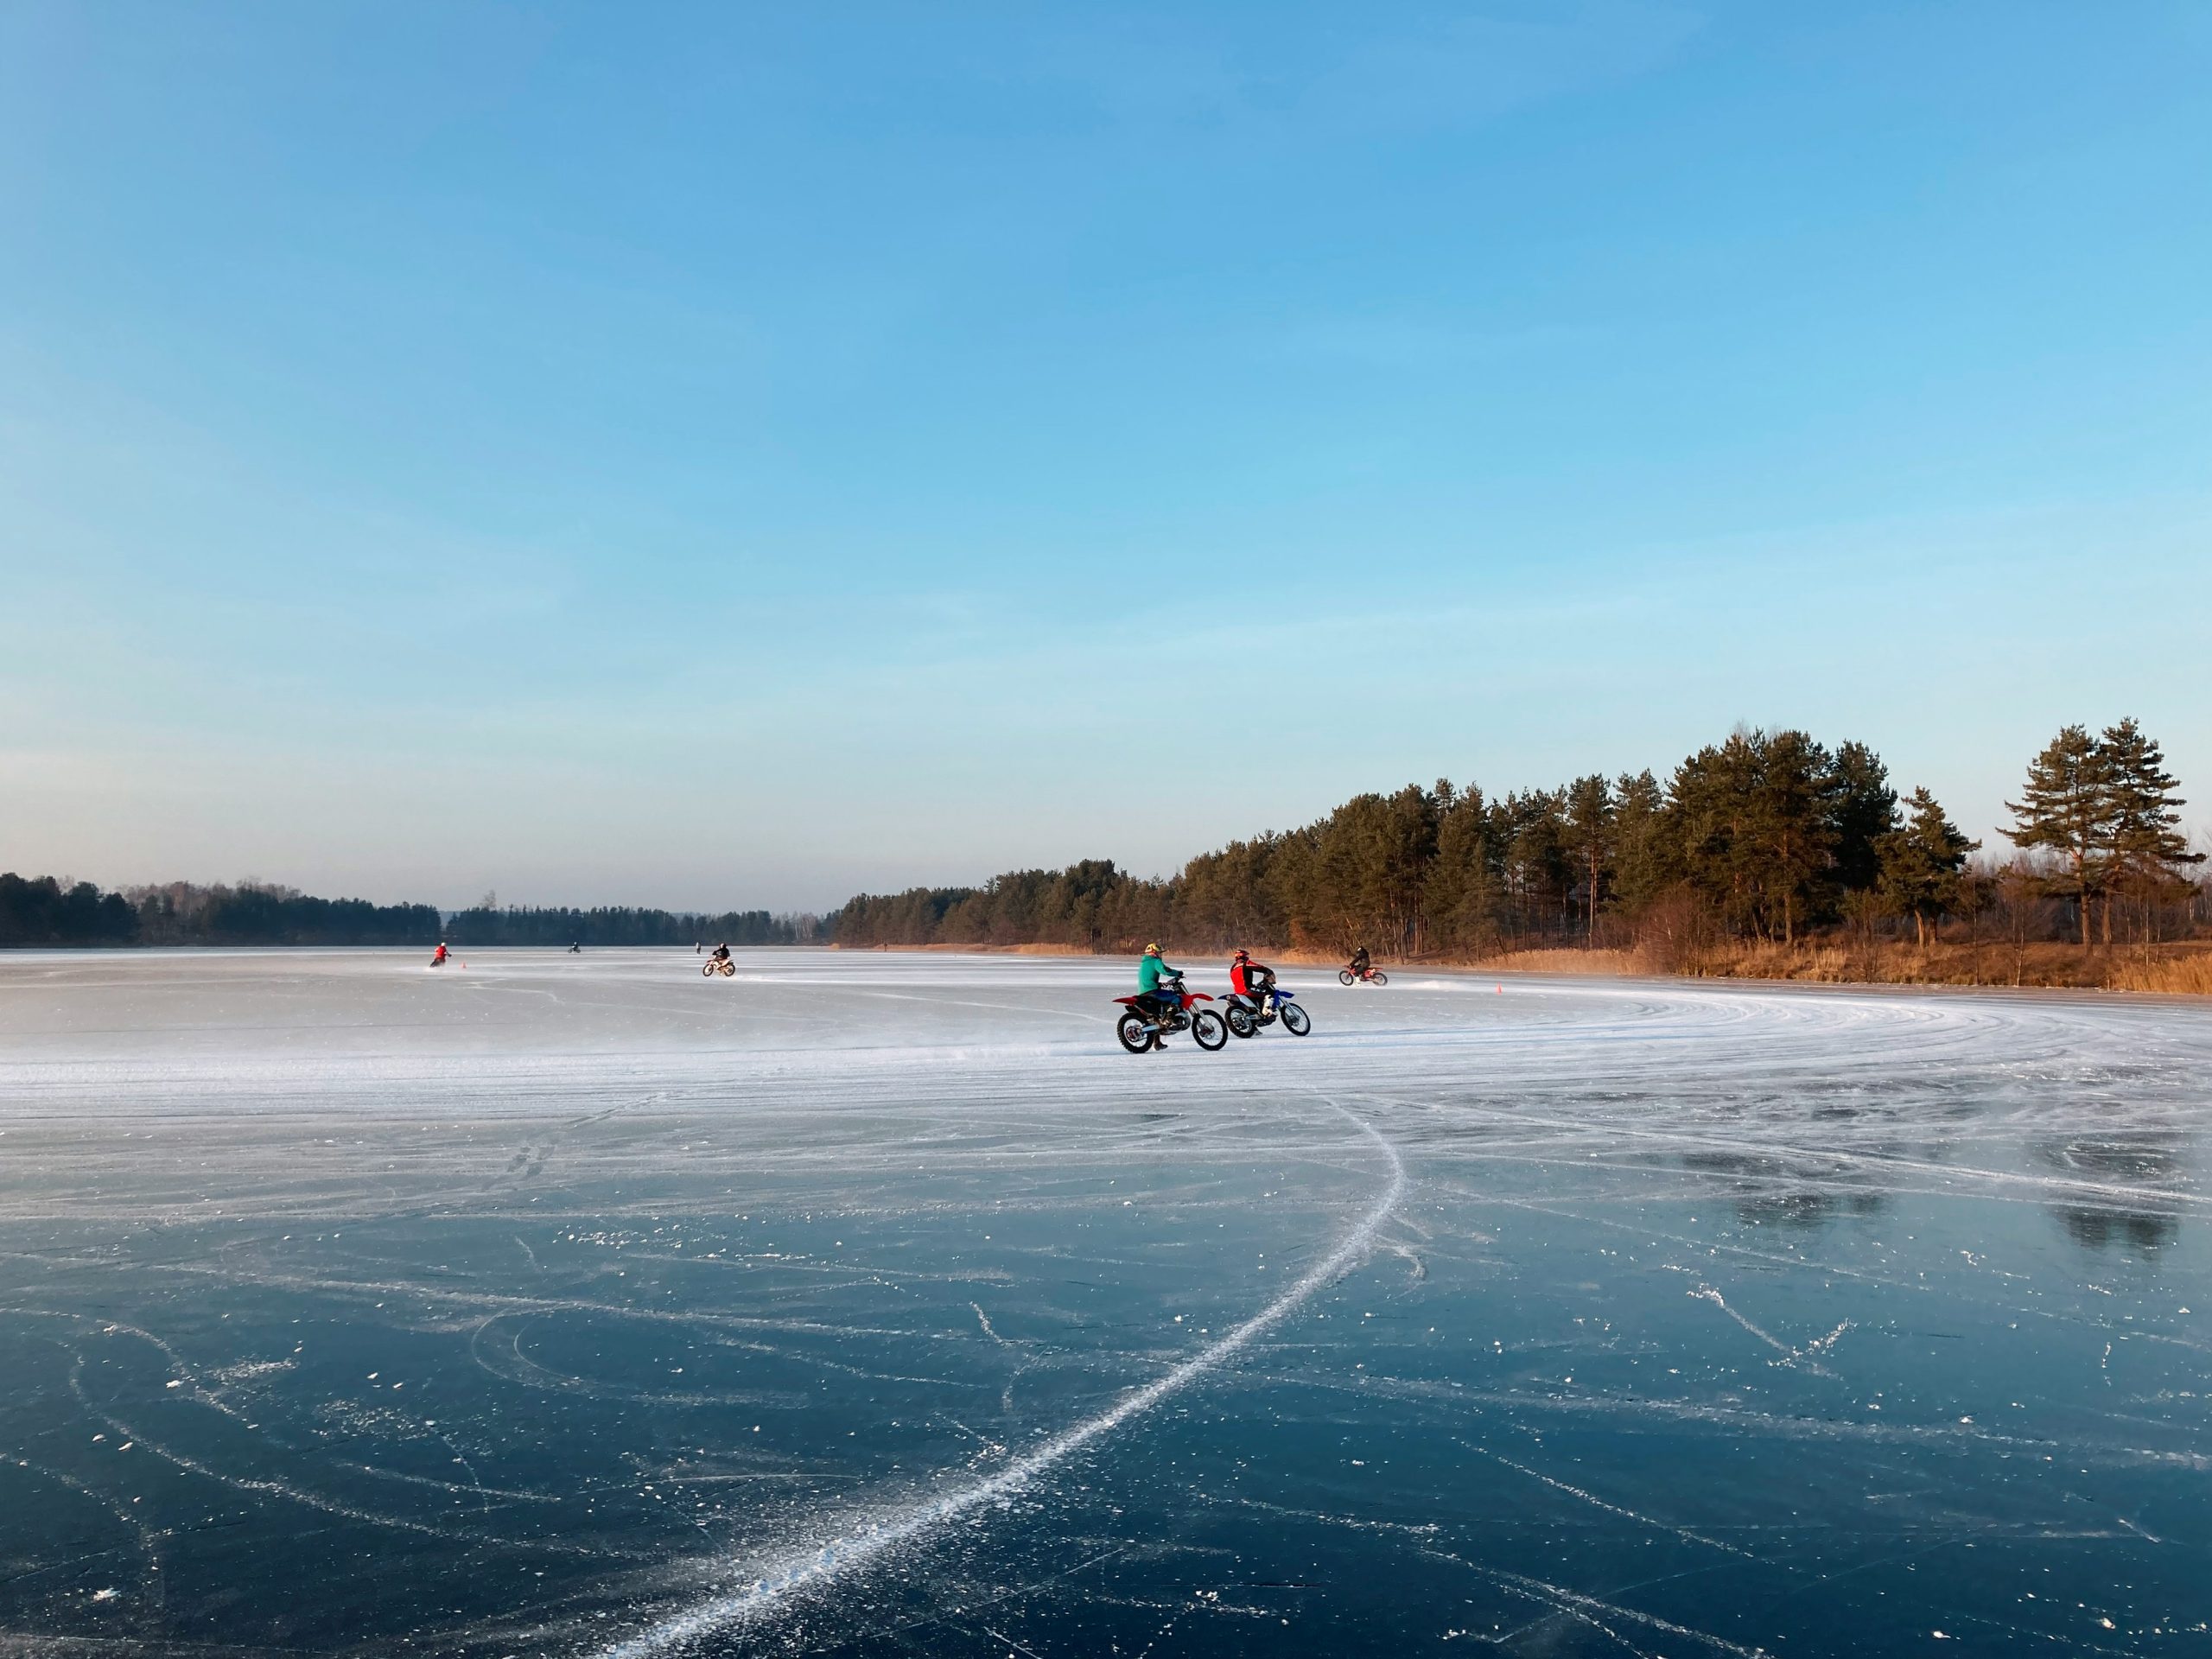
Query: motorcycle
{"type": "Point", "coordinates": [1372, 976]}
{"type": "Point", "coordinates": [1139, 1032]}
{"type": "Point", "coordinates": [1244, 1015]}
{"type": "Point", "coordinates": [724, 966]}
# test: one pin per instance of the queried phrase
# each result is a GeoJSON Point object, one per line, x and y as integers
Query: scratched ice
{"type": "Point", "coordinates": [878, 1306]}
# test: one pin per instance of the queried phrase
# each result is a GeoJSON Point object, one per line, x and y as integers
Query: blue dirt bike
{"type": "Point", "coordinates": [1244, 1015]}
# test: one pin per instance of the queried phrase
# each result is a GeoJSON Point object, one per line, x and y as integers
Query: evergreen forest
{"type": "Point", "coordinates": [1766, 836]}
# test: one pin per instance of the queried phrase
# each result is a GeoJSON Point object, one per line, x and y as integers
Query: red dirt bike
{"type": "Point", "coordinates": [1372, 976]}
{"type": "Point", "coordinates": [1140, 1031]}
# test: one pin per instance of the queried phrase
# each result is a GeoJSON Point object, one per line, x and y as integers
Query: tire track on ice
{"type": "Point", "coordinates": [817, 1566]}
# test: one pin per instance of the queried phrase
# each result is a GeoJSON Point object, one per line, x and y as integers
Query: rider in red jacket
{"type": "Point", "coordinates": [1251, 979]}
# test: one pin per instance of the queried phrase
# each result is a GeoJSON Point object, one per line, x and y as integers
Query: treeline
{"type": "Point", "coordinates": [1087, 904]}
{"type": "Point", "coordinates": [41, 911]}
{"type": "Point", "coordinates": [1766, 836]}
{"type": "Point", "coordinates": [490, 923]}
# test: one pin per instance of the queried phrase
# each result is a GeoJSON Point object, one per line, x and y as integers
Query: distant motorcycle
{"type": "Point", "coordinates": [1244, 1015]}
{"type": "Point", "coordinates": [1139, 1032]}
{"type": "Point", "coordinates": [1372, 976]}
{"type": "Point", "coordinates": [725, 967]}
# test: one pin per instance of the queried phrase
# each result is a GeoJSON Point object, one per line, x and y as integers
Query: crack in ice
{"type": "Point", "coordinates": [820, 1564]}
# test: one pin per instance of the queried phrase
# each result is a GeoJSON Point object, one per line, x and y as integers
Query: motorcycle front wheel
{"type": "Point", "coordinates": [1295, 1020]}
{"type": "Point", "coordinates": [1130, 1029]}
{"type": "Point", "coordinates": [1344, 976]}
{"type": "Point", "coordinates": [1208, 1031]}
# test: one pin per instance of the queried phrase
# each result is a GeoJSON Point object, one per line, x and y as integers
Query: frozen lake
{"type": "Point", "coordinates": [881, 1305]}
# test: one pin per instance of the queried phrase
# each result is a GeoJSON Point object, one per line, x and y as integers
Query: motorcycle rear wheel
{"type": "Point", "coordinates": [1208, 1031]}
{"type": "Point", "coordinates": [1238, 1019]}
{"type": "Point", "coordinates": [1130, 1029]}
{"type": "Point", "coordinates": [1379, 978]}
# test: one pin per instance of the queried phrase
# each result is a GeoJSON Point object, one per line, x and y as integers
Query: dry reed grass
{"type": "Point", "coordinates": [2181, 969]}
{"type": "Point", "coordinates": [2189, 976]}
{"type": "Point", "coordinates": [2185, 967]}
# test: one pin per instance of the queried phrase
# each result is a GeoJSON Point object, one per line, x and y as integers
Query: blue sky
{"type": "Point", "coordinates": [709, 455]}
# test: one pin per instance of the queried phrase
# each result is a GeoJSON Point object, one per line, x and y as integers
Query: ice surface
{"type": "Point", "coordinates": [880, 1305]}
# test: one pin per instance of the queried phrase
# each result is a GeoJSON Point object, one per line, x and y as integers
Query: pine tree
{"type": "Point", "coordinates": [1866, 810]}
{"type": "Point", "coordinates": [1921, 864]}
{"type": "Point", "coordinates": [1536, 861]}
{"type": "Point", "coordinates": [2146, 842]}
{"type": "Point", "coordinates": [1590, 815]}
{"type": "Point", "coordinates": [1460, 894]}
{"type": "Point", "coordinates": [1799, 794]}
{"type": "Point", "coordinates": [1708, 804]}
{"type": "Point", "coordinates": [2067, 809]}
{"type": "Point", "coordinates": [1644, 862]}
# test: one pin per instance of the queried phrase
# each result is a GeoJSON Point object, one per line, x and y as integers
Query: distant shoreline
{"type": "Point", "coordinates": [2182, 968]}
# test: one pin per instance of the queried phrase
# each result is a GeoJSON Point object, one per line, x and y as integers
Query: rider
{"type": "Point", "coordinates": [1251, 979]}
{"type": "Point", "coordinates": [720, 954]}
{"type": "Point", "coordinates": [1151, 972]}
{"type": "Point", "coordinates": [438, 955]}
{"type": "Point", "coordinates": [1360, 963]}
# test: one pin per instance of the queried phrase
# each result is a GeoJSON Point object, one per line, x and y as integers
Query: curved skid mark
{"type": "Point", "coordinates": [780, 1581]}
{"type": "Point", "coordinates": [149, 1538]}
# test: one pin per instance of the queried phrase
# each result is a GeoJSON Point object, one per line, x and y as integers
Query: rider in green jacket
{"type": "Point", "coordinates": [1151, 970]}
